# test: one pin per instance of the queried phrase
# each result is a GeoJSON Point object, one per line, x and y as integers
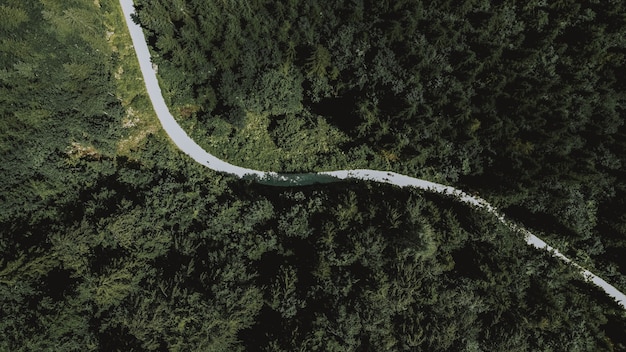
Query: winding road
{"type": "Point", "coordinates": [191, 148]}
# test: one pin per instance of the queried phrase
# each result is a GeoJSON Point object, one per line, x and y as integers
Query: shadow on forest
{"type": "Point", "coordinates": [58, 282]}
{"type": "Point", "coordinates": [546, 222]}
{"type": "Point", "coordinates": [339, 112]}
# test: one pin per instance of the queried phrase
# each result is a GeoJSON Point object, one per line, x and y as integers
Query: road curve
{"type": "Point", "coordinates": [191, 148]}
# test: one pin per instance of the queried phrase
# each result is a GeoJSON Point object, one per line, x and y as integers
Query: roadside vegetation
{"type": "Point", "coordinates": [139, 121]}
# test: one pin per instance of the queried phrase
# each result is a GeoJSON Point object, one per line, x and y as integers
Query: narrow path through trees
{"type": "Point", "coordinates": [190, 147]}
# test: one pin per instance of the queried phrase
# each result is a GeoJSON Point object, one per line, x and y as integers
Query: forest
{"type": "Point", "coordinates": [520, 103]}
{"type": "Point", "coordinates": [113, 240]}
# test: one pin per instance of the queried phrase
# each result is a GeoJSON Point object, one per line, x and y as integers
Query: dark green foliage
{"type": "Point", "coordinates": [521, 102]}
{"type": "Point", "coordinates": [149, 252]}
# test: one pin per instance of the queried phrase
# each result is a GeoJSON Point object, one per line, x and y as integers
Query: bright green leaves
{"type": "Point", "coordinates": [113, 287]}
{"type": "Point", "coordinates": [319, 62]}
{"type": "Point", "coordinates": [278, 92]}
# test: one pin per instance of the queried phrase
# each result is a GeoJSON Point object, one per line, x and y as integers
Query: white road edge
{"type": "Point", "coordinates": [191, 148]}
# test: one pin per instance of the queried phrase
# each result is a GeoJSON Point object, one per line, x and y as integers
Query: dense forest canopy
{"type": "Point", "coordinates": [112, 240]}
{"type": "Point", "coordinates": [521, 102]}
{"type": "Point", "coordinates": [433, 85]}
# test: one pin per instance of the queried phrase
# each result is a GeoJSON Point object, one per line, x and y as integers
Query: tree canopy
{"type": "Point", "coordinates": [113, 240]}
{"type": "Point", "coordinates": [520, 102]}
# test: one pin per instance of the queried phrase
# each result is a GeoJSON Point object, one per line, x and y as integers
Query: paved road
{"type": "Point", "coordinates": [191, 148]}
